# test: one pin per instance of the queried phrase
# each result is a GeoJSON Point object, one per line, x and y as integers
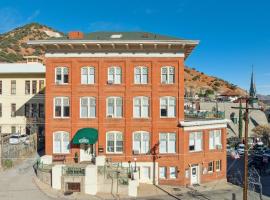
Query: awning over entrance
{"type": "Point", "coordinates": [85, 136]}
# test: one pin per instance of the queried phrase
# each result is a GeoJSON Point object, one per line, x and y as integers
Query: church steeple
{"type": "Point", "coordinates": [252, 90]}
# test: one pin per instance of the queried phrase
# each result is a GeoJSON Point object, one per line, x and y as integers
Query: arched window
{"type": "Point", "coordinates": [114, 107]}
{"type": "Point", "coordinates": [87, 75]}
{"type": "Point", "coordinates": [141, 142]}
{"type": "Point", "coordinates": [167, 75]}
{"type": "Point", "coordinates": [141, 107]}
{"type": "Point", "coordinates": [88, 107]}
{"type": "Point", "coordinates": [61, 142]}
{"type": "Point", "coordinates": [167, 106]}
{"type": "Point", "coordinates": [61, 75]}
{"type": "Point", "coordinates": [114, 142]}
{"type": "Point", "coordinates": [140, 75]}
{"type": "Point", "coordinates": [114, 75]}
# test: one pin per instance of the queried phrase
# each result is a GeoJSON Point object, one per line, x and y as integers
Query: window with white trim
{"type": "Point", "coordinates": [114, 141]}
{"type": "Point", "coordinates": [61, 142]}
{"type": "Point", "coordinates": [141, 107]}
{"type": "Point", "coordinates": [114, 75]}
{"type": "Point", "coordinates": [215, 139]}
{"type": "Point", "coordinates": [173, 172]}
{"type": "Point", "coordinates": [61, 107]}
{"type": "Point", "coordinates": [195, 141]}
{"type": "Point", "coordinates": [114, 107]}
{"type": "Point", "coordinates": [88, 107]}
{"type": "Point", "coordinates": [167, 142]}
{"type": "Point", "coordinates": [162, 172]}
{"type": "Point", "coordinates": [61, 75]}
{"type": "Point", "coordinates": [141, 142]}
{"type": "Point", "coordinates": [140, 75]}
{"type": "Point", "coordinates": [167, 75]}
{"type": "Point", "coordinates": [87, 75]}
{"type": "Point", "coordinates": [167, 106]}
{"type": "Point", "coordinates": [218, 165]}
{"type": "Point", "coordinates": [210, 167]}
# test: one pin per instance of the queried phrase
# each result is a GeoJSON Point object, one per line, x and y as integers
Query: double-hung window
{"type": "Point", "coordinates": [173, 172]}
{"type": "Point", "coordinates": [195, 141]}
{"type": "Point", "coordinates": [34, 87]}
{"type": "Point", "coordinates": [167, 107]}
{"type": "Point", "coordinates": [114, 141]}
{"type": "Point", "coordinates": [218, 165]}
{"type": "Point", "coordinates": [215, 139]}
{"type": "Point", "coordinates": [61, 142]}
{"type": "Point", "coordinates": [27, 87]}
{"type": "Point", "coordinates": [167, 75]}
{"type": "Point", "coordinates": [114, 75]}
{"type": "Point", "coordinates": [141, 107]}
{"type": "Point", "coordinates": [210, 167]}
{"type": "Point", "coordinates": [13, 87]}
{"type": "Point", "coordinates": [61, 75]}
{"type": "Point", "coordinates": [61, 107]}
{"type": "Point", "coordinates": [13, 110]}
{"type": "Point", "coordinates": [140, 75]}
{"type": "Point", "coordinates": [88, 107]}
{"type": "Point", "coordinates": [141, 142]}
{"type": "Point", "coordinates": [162, 172]}
{"type": "Point", "coordinates": [114, 107]}
{"type": "Point", "coordinates": [167, 143]}
{"type": "Point", "coordinates": [87, 75]}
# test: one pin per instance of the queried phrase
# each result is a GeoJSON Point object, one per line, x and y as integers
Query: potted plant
{"type": "Point", "coordinates": [76, 157]}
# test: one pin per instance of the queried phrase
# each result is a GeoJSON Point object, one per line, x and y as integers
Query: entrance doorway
{"type": "Point", "coordinates": [87, 152]}
{"type": "Point", "coordinates": [194, 174]}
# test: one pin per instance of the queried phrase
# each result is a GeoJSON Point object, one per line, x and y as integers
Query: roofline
{"type": "Point", "coordinates": [40, 42]}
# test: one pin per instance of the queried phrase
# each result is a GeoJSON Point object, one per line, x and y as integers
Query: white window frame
{"type": "Point", "coordinates": [215, 139]}
{"type": "Point", "coordinates": [113, 79]}
{"type": "Point", "coordinates": [196, 137]}
{"type": "Point", "coordinates": [164, 174]}
{"type": "Point", "coordinates": [168, 106]}
{"type": "Point", "coordinates": [115, 133]}
{"type": "Point", "coordinates": [115, 106]}
{"type": "Point", "coordinates": [143, 135]}
{"type": "Point", "coordinates": [89, 99]}
{"type": "Point", "coordinates": [169, 136]}
{"type": "Point", "coordinates": [62, 107]}
{"type": "Point", "coordinates": [141, 75]}
{"type": "Point", "coordinates": [61, 82]}
{"type": "Point", "coordinates": [141, 106]}
{"type": "Point", "coordinates": [88, 75]}
{"type": "Point", "coordinates": [218, 169]}
{"type": "Point", "coordinates": [175, 172]}
{"type": "Point", "coordinates": [168, 75]}
{"type": "Point", "coordinates": [63, 150]}
{"type": "Point", "coordinates": [212, 170]}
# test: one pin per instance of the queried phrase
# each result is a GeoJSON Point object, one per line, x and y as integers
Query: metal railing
{"type": "Point", "coordinates": [204, 115]}
{"type": "Point", "coordinates": [73, 171]}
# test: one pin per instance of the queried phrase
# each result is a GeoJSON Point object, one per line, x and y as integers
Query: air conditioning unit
{"type": "Point", "coordinates": [219, 146]}
{"type": "Point", "coordinates": [164, 82]}
{"type": "Point", "coordinates": [136, 152]}
{"type": "Point", "coordinates": [110, 82]}
{"type": "Point", "coordinates": [109, 116]}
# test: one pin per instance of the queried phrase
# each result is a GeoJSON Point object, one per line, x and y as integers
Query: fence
{"type": "Point", "coordinates": [43, 172]}
{"type": "Point", "coordinates": [12, 153]}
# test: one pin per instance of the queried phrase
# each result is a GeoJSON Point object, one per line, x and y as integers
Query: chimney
{"type": "Point", "coordinates": [75, 35]}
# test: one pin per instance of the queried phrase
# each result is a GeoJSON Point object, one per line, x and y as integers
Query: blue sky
{"type": "Point", "coordinates": [234, 34]}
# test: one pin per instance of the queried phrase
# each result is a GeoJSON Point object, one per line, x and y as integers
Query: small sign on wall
{"type": "Point", "coordinates": [100, 149]}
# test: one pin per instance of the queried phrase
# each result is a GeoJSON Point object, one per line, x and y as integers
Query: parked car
{"type": "Point", "coordinates": [17, 138]}
{"type": "Point", "coordinates": [241, 149]}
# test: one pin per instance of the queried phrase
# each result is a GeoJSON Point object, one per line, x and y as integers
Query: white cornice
{"type": "Point", "coordinates": [203, 122]}
{"type": "Point", "coordinates": [99, 55]}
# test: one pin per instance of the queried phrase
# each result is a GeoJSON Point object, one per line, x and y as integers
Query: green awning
{"type": "Point", "coordinates": [85, 136]}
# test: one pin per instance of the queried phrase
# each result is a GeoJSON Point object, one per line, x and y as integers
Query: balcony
{"type": "Point", "coordinates": [201, 115]}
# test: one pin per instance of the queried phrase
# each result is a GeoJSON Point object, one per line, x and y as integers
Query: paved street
{"type": "Point", "coordinates": [17, 183]}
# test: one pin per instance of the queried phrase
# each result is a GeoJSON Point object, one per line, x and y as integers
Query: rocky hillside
{"type": "Point", "coordinates": [13, 43]}
{"type": "Point", "coordinates": [13, 47]}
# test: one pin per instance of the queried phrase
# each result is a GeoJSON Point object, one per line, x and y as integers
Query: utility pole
{"type": "Point", "coordinates": [247, 108]}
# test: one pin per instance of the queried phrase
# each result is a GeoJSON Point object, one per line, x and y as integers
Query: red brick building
{"type": "Point", "coordinates": [121, 95]}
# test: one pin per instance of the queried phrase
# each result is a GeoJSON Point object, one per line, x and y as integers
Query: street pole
{"type": "Point", "coordinates": [245, 186]}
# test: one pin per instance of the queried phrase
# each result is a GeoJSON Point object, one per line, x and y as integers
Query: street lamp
{"type": "Point", "coordinates": [135, 159]}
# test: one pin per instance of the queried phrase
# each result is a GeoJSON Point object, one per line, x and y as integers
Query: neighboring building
{"type": "Point", "coordinates": [121, 95]}
{"type": "Point", "coordinates": [228, 96]}
{"type": "Point", "coordinates": [22, 100]}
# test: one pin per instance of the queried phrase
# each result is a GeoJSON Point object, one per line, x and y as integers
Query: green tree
{"type": "Point", "coordinates": [263, 131]}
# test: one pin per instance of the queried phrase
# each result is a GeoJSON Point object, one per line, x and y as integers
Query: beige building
{"type": "Point", "coordinates": [22, 97]}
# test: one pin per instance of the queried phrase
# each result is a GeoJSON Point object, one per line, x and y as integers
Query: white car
{"type": "Point", "coordinates": [241, 149]}
{"type": "Point", "coordinates": [17, 138]}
